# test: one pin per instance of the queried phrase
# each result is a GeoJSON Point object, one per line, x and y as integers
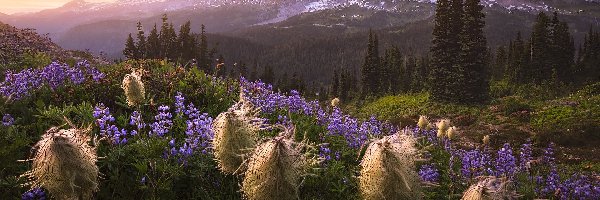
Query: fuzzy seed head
{"type": "Point", "coordinates": [486, 139]}
{"type": "Point", "coordinates": [423, 122]}
{"type": "Point", "coordinates": [134, 88]}
{"type": "Point", "coordinates": [275, 170]}
{"type": "Point", "coordinates": [490, 188]}
{"type": "Point", "coordinates": [441, 133]}
{"type": "Point", "coordinates": [236, 133]}
{"type": "Point", "coordinates": [335, 102]}
{"type": "Point", "coordinates": [451, 132]}
{"type": "Point", "coordinates": [443, 125]}
{"type": "Point", "coordinates": [65, 164]}
{"type": "Point", "coordinates": [389, 170]}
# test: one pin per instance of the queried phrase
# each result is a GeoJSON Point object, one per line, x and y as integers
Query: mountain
{"type": "Point", "coordinates": [304, 36]}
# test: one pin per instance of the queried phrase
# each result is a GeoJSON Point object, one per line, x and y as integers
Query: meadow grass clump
{"type": "Point", "coordinates": [65, 164]}
{"type": "Point", "coordinates": [275, 169]}
{"type": "Point", "coordinates": [236, 133]}
{"type": "Point", "coordinates": [490, 188]}
{"type": "Point", "coordinates": [389, 170]}
{"type": "Point", "coordinates": [134, 88]}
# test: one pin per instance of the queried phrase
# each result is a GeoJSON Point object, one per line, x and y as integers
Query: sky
{"type": "Point", "coordinates": [16, 6]}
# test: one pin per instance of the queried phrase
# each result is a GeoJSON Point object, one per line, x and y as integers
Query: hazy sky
{"type": "Point", "coordinates": [15, 6]}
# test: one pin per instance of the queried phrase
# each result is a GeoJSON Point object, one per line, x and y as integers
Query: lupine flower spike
{"type": "Point", "coordinates": [388, 169]}
{"type": "Point", "coordinates": [65, 164]}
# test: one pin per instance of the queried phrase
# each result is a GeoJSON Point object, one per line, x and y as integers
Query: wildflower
{"type": "Point", "coordinates": [335, 102]}
{"type": "Point", "coordinates": [179, 105]}
{"type": "Point", "coordinates": [486, 140]}
{"type": "Point", "coordinates": [428, 173]}
{"type": "Point", "coordinates": [443, 125]}
{"type": "Point", "coordinates": [7, 120]}
{"type": "Point", "coordinates": [451, 132]}
{"type": "Point", "coordinates": [423, 122]}
{"type": "Point", "coordinates": [388, 169]}
{"type": "Point", "coordinates": [134, 88]}
{"type": "Point", "coordinates": [235, 131]}
{"type": "Point", "coordinates": [489, 187]}
{"type": "Point", "coordinates": [65, 164]}
{"type": "Point", "coordinates": [506, 161]}
{"type": "Point", "coordinates": [34, 194]}
{"type": "Point", "coordinates": [163, 122]}
{"type": "Point", "coordinates": [275, 169]}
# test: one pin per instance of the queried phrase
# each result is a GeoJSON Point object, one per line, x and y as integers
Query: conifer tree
{"type": "Point", "coordinates": [335, 86]}
{"type": "Point", "coordinates": [562, 49]}
{"type": "Point", "coordinates": [203, 59]}
{"type": "Point", "coordinates": [473, 54]}
{"type": "Point", "coordinates": [153, 47]}
{"type": "Point", "coordinates": [370, 69]}
{"type": "Point", "coordinates": [163, 37]}
{"type": "Point", "coordinates": [444, 75]}
{"type": "Point", "coordinates": [186, 42]}
{"type": "Point", "coordinates": [130, 50]}
{"type": "Point", "coordinates": [540, 68]}
{"type": "Point", "coordinates": [141, 46]}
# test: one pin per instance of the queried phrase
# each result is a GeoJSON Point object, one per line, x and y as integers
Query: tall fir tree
{"type": "Point", "coordinates": [164, 37]}
{"type": "Point", "coordinates": [335, 86]}
{"type": "Point", "coordinates": [473, 54]}
{"type": "Point", "coordinates": [444, 76]}
{"type": "Point", "coordinates": [186, 42]}
{"type": "Point", "coordinates": [539, 68]}
{"type": "Point", "coordinates": [141, 45]}
{"type": "Point", "coordinates": [562, 49]}
{"type": "Point", "coordinates": [370, 69]}
{"type": "Point", "coordinates": [130, 50]}
{"type": "Point", "coordinates": [203, 52]}
{"type": "Point", "coordinates": [153, 47]}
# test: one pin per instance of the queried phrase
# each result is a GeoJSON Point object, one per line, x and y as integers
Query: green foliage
{"type": "Point", "coordinates": [572, 120]}
{"type": "Point", "coordinates": [405, 109]}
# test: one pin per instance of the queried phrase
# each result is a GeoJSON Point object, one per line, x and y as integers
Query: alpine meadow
{"type": "Point", "coordinates": [300, 99]}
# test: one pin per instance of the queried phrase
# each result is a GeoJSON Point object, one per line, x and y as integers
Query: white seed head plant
{"type": "Point", "coordinates": [236, 134]}
{"type": "Point", "coordinates": [490, 188]}
{"type": "Point", "coordinates": [443, 125]}
{"type": "Point", "coordinates": [275, 169]}
{"type": "Point", "coordinates": [451, 132]}
{"type": "Point", "coordinates": [389, 170]}
{"type": "Point", "coordinates": [486, 140]}
{"type": "Point", "coordinates": [335, 102]}
{"type": "Point", "coordinates": [65, 164]}
{"type": "Point", "coordinates": [134, 88]}
{"type": "Point", "coordinates": [423, 122]}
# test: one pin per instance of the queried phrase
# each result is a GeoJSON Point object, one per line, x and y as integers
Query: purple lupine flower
{"type": "Point", "coordinates": [552, 182]}
{"type": "Point", "coordinates": [7, 120]}
{"type": "Point", "coordinates": [506, 161]}
{"type": "Point", "coordinates": [429, 173]}
{"type": "Point", "coordinates": [179, 105]}
{"type": "Point", "coordinates": [136, 120]}
{"type": "Point", "coordinates": [324, 152]}
{"type": "Point", "coordinates": [35, 194]}
{"type": "Point", "coordinates": [163, 122]}
{"type": "Point", "coordinates": [475, 163]}
{"type": "Point", "coordinates": [525, 156]}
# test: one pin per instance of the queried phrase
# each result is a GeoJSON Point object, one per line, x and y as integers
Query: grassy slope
{"type": "Point", "coordinates": [571, 121]}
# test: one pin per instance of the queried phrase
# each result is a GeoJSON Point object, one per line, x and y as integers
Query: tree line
{"type": "Point", "coordinates": [459, 67]}
{"type": "Point", "coordinates": [186, 47]}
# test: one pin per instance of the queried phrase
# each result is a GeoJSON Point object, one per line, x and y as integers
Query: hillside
{"type": "Point", "coordinates": [14, 43]}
